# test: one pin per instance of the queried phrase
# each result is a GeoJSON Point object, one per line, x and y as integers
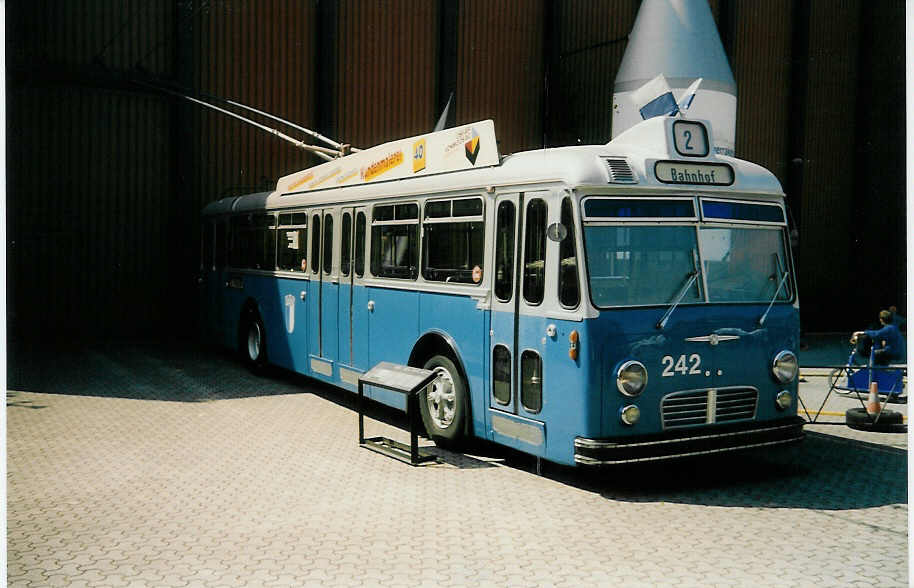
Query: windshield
{"type": "Point", "coordinates": [649, 265]}
{"type": "Point", "coordinates": [633, 265]}
{"type": "Point", "coordinates": [743, 265]}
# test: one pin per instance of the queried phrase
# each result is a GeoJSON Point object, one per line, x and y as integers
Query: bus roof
{"type": "Point", "coordinates": [662, 153]}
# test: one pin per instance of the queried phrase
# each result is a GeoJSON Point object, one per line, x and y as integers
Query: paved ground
{"type": "Point", "coordinates": [155, 466]}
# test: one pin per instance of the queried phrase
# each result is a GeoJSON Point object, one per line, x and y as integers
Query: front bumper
{"type": "Point", "coordinates": [687, 443]}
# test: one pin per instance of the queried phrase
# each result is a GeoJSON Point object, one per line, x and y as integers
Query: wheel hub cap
{"type": "Point", "coordinates": [441, 399]}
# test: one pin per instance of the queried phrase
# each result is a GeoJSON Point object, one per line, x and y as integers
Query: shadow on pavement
{"type": "Point", "coordinates": [174, 372]}
{"type": "Point", "coordinates": [823, 472]}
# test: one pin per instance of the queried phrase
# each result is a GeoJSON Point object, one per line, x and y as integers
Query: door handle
{"type": "Point", "coordinates": [302, 295]}
{"type": "Point", "coordinates": [370, 305]}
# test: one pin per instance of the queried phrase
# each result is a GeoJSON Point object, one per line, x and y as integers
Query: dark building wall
{"type": "Point", "coordinates": [106, 177]}
{"type": "Point", "coordinates": [89, 169]}
{"type": "Point", "coordinates": [588, 42]}
{"type": "Point", "coordinates": [385, 74]}
{"type": "Point", "coordinates": [500, 69]}
{"type": "Point", "coordinates": [878, 193]}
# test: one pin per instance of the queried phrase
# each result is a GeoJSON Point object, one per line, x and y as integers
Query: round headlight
{"type": "Point", "coordinates": [630, 414]}
{"type": "Point", "coordinates": [783, 400]}
{"type": "Point", "coordinates": [631, 378]}
{"type": "Point", "coordinates": [785, 367]}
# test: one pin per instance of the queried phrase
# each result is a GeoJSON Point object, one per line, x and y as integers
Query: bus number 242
{"type": "Point", "coordinates": [682, 365]}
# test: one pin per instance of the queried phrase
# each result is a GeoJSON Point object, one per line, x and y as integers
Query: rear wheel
{"type": "Point", "coordinates": [253, 342]}
{"type": "Point", "coordinates": [443, 403]}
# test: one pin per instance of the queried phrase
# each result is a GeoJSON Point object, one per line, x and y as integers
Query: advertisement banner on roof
{"type": "Point", "coordinates": [465, 147]}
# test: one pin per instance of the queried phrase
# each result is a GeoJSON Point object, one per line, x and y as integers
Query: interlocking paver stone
{"type": "Point", "coordinates": [173, 466]}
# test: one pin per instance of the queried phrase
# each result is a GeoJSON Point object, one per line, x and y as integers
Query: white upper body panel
{"type": "Point", "coordinates": [386, 171]}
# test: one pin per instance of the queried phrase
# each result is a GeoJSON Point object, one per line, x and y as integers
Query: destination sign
{"type": "Point", "coordinates": [681, 172]}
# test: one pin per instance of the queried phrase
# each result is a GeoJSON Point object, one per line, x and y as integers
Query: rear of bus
{"type": "Point", "coordinates": [698, 322]}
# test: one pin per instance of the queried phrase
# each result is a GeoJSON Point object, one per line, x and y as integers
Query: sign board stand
{"type": "Point", "coordinates": [408, 381]}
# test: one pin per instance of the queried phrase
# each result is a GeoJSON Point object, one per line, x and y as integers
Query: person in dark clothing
{"type": "Point", "coordinates": [888, 341]}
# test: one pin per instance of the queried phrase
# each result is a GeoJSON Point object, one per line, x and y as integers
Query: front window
{"type": "Point", "coordinates": [644, 263]}
{"type": "Point", "coordinates": [640, 265]}
{"type": "Point", "coordinates": [744, 265]}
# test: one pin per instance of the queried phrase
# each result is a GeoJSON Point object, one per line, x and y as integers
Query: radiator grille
{"type": "Point", "coordinates": [619, 171]}
{"type": "Point", "coordinates": [701, 407]}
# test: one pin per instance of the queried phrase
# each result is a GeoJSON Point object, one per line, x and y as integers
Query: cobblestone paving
{"type": "Point", "coordinates": [151, 466]}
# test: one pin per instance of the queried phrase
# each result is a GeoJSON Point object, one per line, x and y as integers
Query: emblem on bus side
{"type": "Point", "coordinates": [472, 146]}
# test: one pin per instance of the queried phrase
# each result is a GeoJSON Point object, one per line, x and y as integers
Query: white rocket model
{"type": "Point", "coordinates": [675, 64]}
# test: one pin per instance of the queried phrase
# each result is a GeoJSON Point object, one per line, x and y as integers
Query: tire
{"type": "Point", "coordinates": [890, 421]}
{"type": "Point", "coordinates": [444, 403]}
{"type": "Point", "coordinates": [253, 342]}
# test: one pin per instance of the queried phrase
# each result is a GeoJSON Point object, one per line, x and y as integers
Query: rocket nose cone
{"type": "Point", "coordinates": [679, 39]}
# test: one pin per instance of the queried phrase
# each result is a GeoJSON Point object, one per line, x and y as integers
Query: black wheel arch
{"type": "Point", "coordinates": [435, 343]}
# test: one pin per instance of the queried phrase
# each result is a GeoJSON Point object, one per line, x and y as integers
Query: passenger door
{"type": "Point", "coordinates": [323, 308]}
{"type": "Point", "coordinates": [518, 321]}
{"type": "Point", "coordinates": [353, 299]}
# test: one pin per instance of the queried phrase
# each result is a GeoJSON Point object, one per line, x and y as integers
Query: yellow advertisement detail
{"type": "Point", "coordinates": [382, 166]}
{"type": "Point", "coordinates": [304, 179]}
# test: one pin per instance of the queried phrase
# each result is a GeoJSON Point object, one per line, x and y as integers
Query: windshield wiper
{"type": "Point", "coordinates": [682, 292]}
{"type": "Point", "coordinates": [777, 259]}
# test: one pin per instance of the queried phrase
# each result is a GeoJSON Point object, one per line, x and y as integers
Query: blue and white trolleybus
{"type": "Point", "coordinates": [590, 305]}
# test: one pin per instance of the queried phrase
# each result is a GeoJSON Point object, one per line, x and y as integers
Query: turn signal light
{"type": "Point", "coordinates": [573, 345]}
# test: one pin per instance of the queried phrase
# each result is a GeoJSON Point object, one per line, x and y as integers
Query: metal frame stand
{"type": "Point", "coordinates": [408, 381]}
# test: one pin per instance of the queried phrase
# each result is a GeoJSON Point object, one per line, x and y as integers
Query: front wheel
{"type": "Point", "coordinates": [443, 402]}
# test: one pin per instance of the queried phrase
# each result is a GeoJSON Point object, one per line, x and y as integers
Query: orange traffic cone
{"type": "Point", "coordinates": [872, 403]}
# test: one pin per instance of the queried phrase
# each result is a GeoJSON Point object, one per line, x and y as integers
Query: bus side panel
{"type": "Point", "coordinates": [459, 318]}
{"type": "Point", "coordinates": [393, 327]}
{"type": "Point", "coordinates": [571, 402]}
{"type": "Point", "coordinates": [287, 332]}
{"type": "Point", "coordinates": [568, 403]}
{"type": "Point", "coordinates": [232, 300]}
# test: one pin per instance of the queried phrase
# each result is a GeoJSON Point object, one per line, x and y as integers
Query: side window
{"type": "Point", "coordinates": [395, 241]}
{"type": "Point", "coordinates": [452, 232]}
{"type": "Point", "coordinates": [535, 251]}
{"type": "Point", "coordinates": [531, 377]}
{"type": "Point", "coordinates": [264, 238]}
{"type": "Point", "coordinates": [315, 243]}
{"type": "Point", "coordinates": [327, 251]}
{"type": "Point", "coordinates": [360, 244]}
{"type": "Point", "coordinates": [293, 242]}
{"type": "Point", "coordinates": [346, 243]}
{"type": "Point", "coordinates": [221, 244]}
{"type": "Point", "coordinates": [501, 374]}
{"type": "Point", "coordinates": [504, 251]}
{"type": "Point", "coordinates": [206, 246]}
{"type": "Point", "coordinates": [241, 254]}
{"type": "Point", "coordinates": [569, 291]}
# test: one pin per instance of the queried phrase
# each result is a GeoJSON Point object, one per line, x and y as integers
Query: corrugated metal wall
{"type": "Point", "coordinates": [878, 198]}
{"type": "Point", "coordinates": [826, 223]}
{"type": "Point", "coordinates": [763, 82]}
{"type": "Point", "coordinates": [589, 42]}
{"type": "Point", "coordinates": [261, 54]}
{"type": "Point", "coordinates": [500, 69]}
{"type": "Point", "coordinates": [89, 169]}
{"type": "Point", "coordinates": [106, 178]}
{"type": "Point", "coordinates": [386, 57]}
